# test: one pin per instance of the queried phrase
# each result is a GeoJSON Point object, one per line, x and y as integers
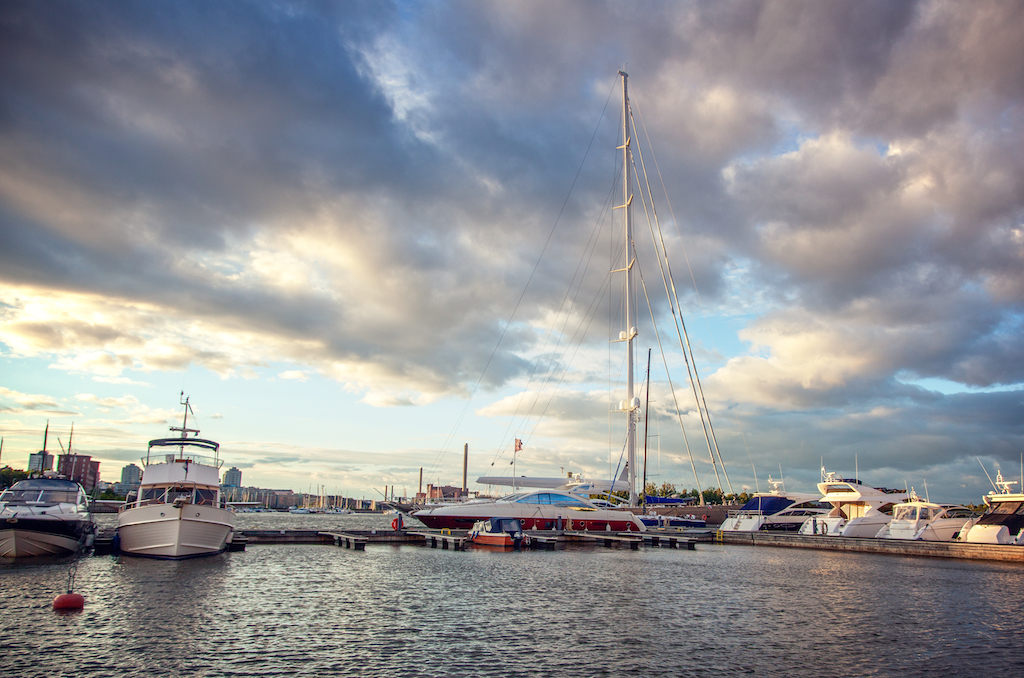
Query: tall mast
{"type": "Point", "coordinates": [629, 407]}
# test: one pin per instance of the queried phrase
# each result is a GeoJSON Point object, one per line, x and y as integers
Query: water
{"type": "Point", "coordinates": [298, 610]}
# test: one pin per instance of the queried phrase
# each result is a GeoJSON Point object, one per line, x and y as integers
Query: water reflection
{"type": "Point", "coordinates": [414, 611]}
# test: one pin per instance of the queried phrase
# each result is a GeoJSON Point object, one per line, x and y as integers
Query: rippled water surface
{"type": "Point", "coordinates": [414, 611]}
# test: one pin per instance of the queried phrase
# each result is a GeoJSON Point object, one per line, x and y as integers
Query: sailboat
{"type": "Point", "coordinates": [525, 505]}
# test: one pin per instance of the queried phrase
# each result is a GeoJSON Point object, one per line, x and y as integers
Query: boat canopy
{"type": "Point", "coordinates": [767, 505]}
{"type": "Point", "coordinates": [194, 442]}
{"type": "Point", "coordinates": [652, 501]}
{"type": "Point", "coordinates": [504, 525]}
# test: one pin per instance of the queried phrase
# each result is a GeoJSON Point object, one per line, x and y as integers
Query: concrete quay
{"type": "Point", "coordinates": [893, 547]}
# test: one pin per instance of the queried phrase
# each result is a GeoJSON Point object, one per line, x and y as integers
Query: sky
{"type": "Point", "coordinates": [361, 235]}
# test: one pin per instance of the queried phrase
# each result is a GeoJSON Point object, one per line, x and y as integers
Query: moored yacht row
{"type": "Point", "coordinates": [178, 511]}
{"type": "Point", "coordinates": [846, 507]}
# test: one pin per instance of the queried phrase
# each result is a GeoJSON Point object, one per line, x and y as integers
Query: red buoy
{"type": "Point", "coordinates": [69, 601]}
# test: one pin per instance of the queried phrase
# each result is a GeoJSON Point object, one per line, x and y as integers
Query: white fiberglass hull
{"type": "Point", "coordinates": [944, 529]}
{"type": "Point", "coordinates": [866, 527]}
{"type": "Point", "coordinates": [164, 531]}
{"type": "Point", "coordinates": [992, 534]}
{"type": "Point", "coordinates": [16, 543]}
{"type": "Point", "coordinates": [745, 523]}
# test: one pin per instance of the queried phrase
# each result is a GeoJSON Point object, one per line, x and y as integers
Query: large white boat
{"type": "Point", "coordinates": [1003, 523]}
{"type": "Point", "coordinates": [543, 509]}
{"type": "Point", "coordinates": [923, 520]}
{"type": "Point", "coordinates": [552, 504]}
{"type": "Point", "coordinates": [775, 510]}
{"type": "Point", "coordinates": [179, 512]}
{"type": "Point", "coordinates": [44, 516]}
{"type": "Point", "coordinates": [858, 510]}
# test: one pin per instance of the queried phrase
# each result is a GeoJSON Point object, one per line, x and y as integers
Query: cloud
{"type": "Point", "coordinates": [26, 402]}
{"type": "Point", "coordinates": [364, 194]}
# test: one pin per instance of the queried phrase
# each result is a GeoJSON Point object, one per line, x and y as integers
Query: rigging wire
{"type": "Point", "coordinates": [435, 464]}
{"type": "Point", "coordinates": [696, 290]}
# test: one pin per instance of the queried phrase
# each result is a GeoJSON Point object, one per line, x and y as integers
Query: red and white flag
{"type": "Point", "coordinates": [519, 444]}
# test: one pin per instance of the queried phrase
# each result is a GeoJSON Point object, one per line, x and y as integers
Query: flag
{"type": "Point", "coordinates": [519, 444]}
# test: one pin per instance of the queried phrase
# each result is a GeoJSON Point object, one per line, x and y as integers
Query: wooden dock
{"type": "Point", "coordinates": [349, 541]}
{"type": "Point", "coordinates": [446, 538]}
{"type": "Point", "coordinates": [895, 547]}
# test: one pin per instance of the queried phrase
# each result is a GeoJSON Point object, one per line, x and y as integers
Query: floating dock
{"type": "Point", "coordinates": [892, 547]}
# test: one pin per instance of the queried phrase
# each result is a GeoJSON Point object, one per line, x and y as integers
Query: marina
{"type": "Point", "coordinates": [370, 238]}
{"type": "Point", "coordinates": [400, 609]}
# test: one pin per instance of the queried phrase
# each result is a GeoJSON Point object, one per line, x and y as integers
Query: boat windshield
{"type": "Point", "coordinates": [1009, 513]}
{"type": "Point", "coordinates": [552, 498]}
{"type": "Point", "coordinates": [39, 496]}
{"type": "Point", "coordinates": [1006, 507]}
{"type": "Point", "coordinates": [908, 513]}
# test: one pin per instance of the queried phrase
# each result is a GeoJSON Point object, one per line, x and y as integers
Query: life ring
{"type": "Point", "coordinates": [394, 524]}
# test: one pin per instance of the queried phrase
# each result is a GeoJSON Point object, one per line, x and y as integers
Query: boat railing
{"type": "Point", "coordinates": [189, 449]}
{"type": "Point", "coordinates": [748, 513]}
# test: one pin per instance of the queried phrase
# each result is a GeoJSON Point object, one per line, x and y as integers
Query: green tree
{"type": "Point", "coordinates": [9, 476]}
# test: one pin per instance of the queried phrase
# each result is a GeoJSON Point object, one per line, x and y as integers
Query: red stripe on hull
{"type": "Point", "coordinates": [436, 522]}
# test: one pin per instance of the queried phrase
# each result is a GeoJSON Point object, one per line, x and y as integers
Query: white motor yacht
{"type": "Point", "coordinates": [919, 519]}
{"type": "Point", "coordinates": [44, 516]}
{"type": "Point", "coordinates": [544, 509]}
{"type": "Point", "coordinates": [775, 510]}
{"type": "Point", "coordinates": [179, 512]}
{"type": "Point", "coordinates": [858, 510]}
{"type": "Point", "coordinates": [1003, 523]}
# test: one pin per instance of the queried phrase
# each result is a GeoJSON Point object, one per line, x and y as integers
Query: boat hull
{"type": "Point", "coordinates": [30, 537]}
{"type": "Point", "coordinates": [992, 534]}
{"type": "Point", "coordinates": [166, 531]}
{"type": "Point", "coordinates": [544, 519]}
{"type": "Point", "coordinates": [937, 530]}
{"type": "Point", "coordinates": [492, 539]}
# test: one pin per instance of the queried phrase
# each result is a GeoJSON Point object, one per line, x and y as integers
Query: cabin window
{"type": "Point", "coordinates": [565, 500]}
{"type": "Point", "coordinates": [58, 496]}
{"type": "Point", "coordinates": [206, 497]}
{"type": "Point", "coordinates": [1007, 507]}
{"type": "Point", "coordinates": [153, 494]}
{"type": "Point", "coordinates": [179, 493]}
{"type": "Point", "coordinates": [19, 495]}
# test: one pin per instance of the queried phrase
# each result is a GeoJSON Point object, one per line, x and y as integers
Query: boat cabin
{"type": "Point", "coordinates": [44, 492]}
{"type": "Point", "coordinates": [1008, 513]}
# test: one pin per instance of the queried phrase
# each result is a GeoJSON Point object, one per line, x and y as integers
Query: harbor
{"type": "Point", "coordinates": [393, 609]}
{"type": "Point", "coordinates": [686, 539]}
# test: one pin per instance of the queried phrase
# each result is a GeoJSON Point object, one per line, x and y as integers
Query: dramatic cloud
{"type": "Point", "coordinates": [413, 201]}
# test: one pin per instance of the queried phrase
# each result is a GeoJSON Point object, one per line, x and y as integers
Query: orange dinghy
{"type": "Point", "coordinates": [497, 532]}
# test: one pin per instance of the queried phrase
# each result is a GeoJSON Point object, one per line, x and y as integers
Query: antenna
{"type": "Point", "coordinates": [926, 492]}
{"type": "Point", "coordinates": [782, 478]}
{"type": "Point", "coordinates": [986, 474]}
